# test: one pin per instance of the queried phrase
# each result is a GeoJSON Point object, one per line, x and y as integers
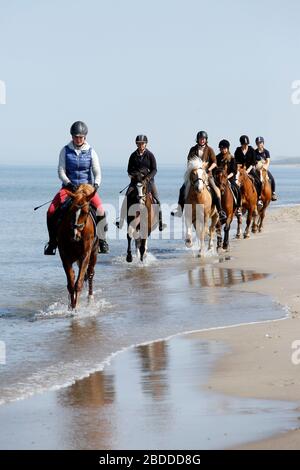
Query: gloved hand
{"type": "Point", "coordinates": [96, 186]}
{"type": "Point", "coordinates": [71, 187]}
{"type": "Point", "coordinates": [146, 180]}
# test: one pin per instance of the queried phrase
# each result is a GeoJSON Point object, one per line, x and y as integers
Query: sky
{"type": "Point", "coordinates": [165, 68]}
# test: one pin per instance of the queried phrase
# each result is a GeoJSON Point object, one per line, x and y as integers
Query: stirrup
{"type": "Point", "coordinates": [162, 226]}
{"type": "Point", "coordinates": [118, 224]}
{"type": "Point", "coordinates": [239, 212]}
{"type": "Point", "coordinates": [49, 249]}
{"type": "Point", "coordinates": [274, 197]}
{"type": "Point", "coordinates": [103, 247]}
{"type": "Point", "coordinates": [177, 213]}
{"type": "Point", "coordinates": [260, 203]}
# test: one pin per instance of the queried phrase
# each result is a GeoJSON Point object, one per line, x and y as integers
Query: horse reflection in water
{"type": "Point", "coordinates": [212, 276]}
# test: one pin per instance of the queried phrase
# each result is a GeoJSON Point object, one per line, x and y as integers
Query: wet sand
{"type": "Point", "coordinates": [259, 363]}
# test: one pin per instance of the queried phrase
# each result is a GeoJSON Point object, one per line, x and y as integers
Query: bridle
{"type": "Point", "coordinates": [81, 226]}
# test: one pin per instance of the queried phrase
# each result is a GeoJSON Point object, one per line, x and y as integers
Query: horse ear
{"type": "Point", "coordinates": [69, 193]}
{"type": "Point", "coordinates": [90, 196]}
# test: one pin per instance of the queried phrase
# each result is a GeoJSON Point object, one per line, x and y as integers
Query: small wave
{"type": "Point", "coordinates": [85, 309]}
{"type": "Point", "coordinates": [149, 260]}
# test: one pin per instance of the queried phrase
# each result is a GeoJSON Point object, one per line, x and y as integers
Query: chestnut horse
{"type": "Point", "coordinates": [266, 196]}
{"type": "Point", "coordinates": [198, 206]}
{"type": "Point", "coordinates": [228, 206]}
{"type": "Point", "coordinates": [249, 202]}
{"type": "Point", "coordinates": [77, 242]}
{"type": "Point", "coordinates": [142, 218]}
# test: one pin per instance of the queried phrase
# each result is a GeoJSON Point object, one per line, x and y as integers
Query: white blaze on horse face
{"type": "Point", "coordinates": [237, 178]}
{"type": "Point", "coordinates": [76, 232]}
{"type": "Point", "coordinates": [199, 185]}
{"type": "Point", "coordinates": [140, 190]}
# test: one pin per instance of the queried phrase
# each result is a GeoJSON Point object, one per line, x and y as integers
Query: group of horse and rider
{"type": "Point", "coordinates": [222, 185]}
{"type": "Point", "coordinates": [79, 164]}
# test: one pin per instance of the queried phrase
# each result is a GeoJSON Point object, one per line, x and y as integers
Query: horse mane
{"type": "Point", "coordinates": [85, 189]}
{"type": "Point", "coordinates": [194, 164]}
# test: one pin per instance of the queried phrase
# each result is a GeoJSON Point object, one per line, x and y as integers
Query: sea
{"type": "Point", "coordinates": [44, 346]}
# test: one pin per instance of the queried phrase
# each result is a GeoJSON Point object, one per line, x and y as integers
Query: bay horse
{"type": "Point", "coordinates": [77, 242]}
{"type": "Point", "coordinates": [266, 195]}
{"type": "Point", "coordinates": [198, 207]}
{"type": "Point", "coordinates": [142, 217]}
{"type": "Point", "coordinates": [228, 205]}
{"type": "Point", "coordinates": [249, 202]}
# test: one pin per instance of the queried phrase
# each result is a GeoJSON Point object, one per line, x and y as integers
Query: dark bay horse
{"type": "Point", "coordinates": [198, 206]}
{"type": "Point", "coordinates": [228, 206]}
{"type": "Point", "coordinates": [77, 242]}
{"type": "Point", "coordinates": [249, 202]}
{"type": "Point", "coordinates": [142, 217]}
{"type": "Point", "coordinates": [266, 196]}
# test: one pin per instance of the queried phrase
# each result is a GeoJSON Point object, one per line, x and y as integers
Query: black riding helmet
{"type": "Point", "coordinates": [244, 140]}
{"type": "Point", "coordinates": [141, 138]}
{"type": "Point", "coordinates": [201, 135]}
{"type": "Point", "coordinates": [259, 139]}
{"type": "Point", "coordinates": [79, 128]}
{"type": "Point", "coordinates": [224, 144]}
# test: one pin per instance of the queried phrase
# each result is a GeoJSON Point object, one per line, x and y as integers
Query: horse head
{"type": "Point", "coordinates": [79, 209]}
{"type": "Point", "coordinates": [221, 179]}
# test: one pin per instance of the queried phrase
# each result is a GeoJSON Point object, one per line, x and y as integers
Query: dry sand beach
{"type": "Point", "coordinates": [259, 362]}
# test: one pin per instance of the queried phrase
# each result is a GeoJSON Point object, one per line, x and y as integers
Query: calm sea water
{"type": "Point", "coordinates": [172, 292]}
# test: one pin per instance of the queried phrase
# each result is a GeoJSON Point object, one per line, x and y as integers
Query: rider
{"type": "Point", "coordinates": [139, 161]}
{"type": "Point", "coordinates": [245, 156]}
{"type": "Point", "coordinates": [263, 155]}
{"type": "Point", "coordinates": [207, 155]}
{"type": "Point", "coordinates": [78, 164]}
{"type": "Point", "coordinates": [226, 161]}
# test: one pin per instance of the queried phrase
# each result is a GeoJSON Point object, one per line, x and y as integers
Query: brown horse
{"type": "Point", "coordinates": [227, 201]}
{"type": "Point", "coordinates": [142, 218]}
{"type": "Point", "coordinates": [266, 196]}
{"type": "Point", "coordinates": [77, 242]}
{"type": "Point", "coordinates": [198, 206]}
{"type": "Point", "coordinates": [249, 202]}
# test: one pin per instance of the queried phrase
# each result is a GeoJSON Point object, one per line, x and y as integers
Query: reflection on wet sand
{"type": "Point", "coordinates": [214, 276]}
{"type": "Point", "coordinates": [154, 361]}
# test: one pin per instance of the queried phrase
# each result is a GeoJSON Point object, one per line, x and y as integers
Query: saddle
{"type": "Point", "coordinates": [61, 211]}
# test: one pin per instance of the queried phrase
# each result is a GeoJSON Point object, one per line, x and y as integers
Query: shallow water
{"type": "Point", "coordinates": [149, 397]}
{"type": "Point", "coordinates": [172, 292]}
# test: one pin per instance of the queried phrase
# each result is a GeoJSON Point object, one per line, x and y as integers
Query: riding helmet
{"type": "Point", "coordinates": [79, 128]}
{"type": "Point", "coordinates": [224, 144]}
{"type": "Point", "coordinates": [201, 135]}
{"type": "Point", "coordinates": [259, 139]}
{"type": "Point", "coordinates": [244, 140]}
{"type": "Point", "coordinates": [141, 138]}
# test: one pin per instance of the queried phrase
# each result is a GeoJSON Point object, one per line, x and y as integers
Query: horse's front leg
{"type": "Point", "coordinates": [248, 222]}
{"type": "Point", "coordinates": [261, 219]}
{"type": "Point", "coordinates": [212, 228]}
{"type": "Point", "coordinates": [188, 228]}
{"type": "Point", "coordinates": [226, 236]}
{"type": "Point", "coordinates": [129, 254]}
{"type": "Point", "coordinates": [71, 282]}
{"type": "Point", "coordinates": [83, 265]}
{"type": "Point", "coordinates": [239, 226]}
{"type": "Point", "coordinates": [91, 273]}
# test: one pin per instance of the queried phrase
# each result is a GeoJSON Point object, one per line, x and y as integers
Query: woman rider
{"type": "Point", "coordinates": [226, 161]}
{"type": "Point", "coordinates": [263, 155]}
{"type": "Point", "coordinates": [78, 164]}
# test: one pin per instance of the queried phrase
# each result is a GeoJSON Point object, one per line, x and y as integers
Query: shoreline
{"type": "Point", "coordinates": [259, 363]}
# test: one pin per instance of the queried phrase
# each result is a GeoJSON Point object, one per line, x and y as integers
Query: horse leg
{"type": "Point", "coordinates": [239, 226]}
{"type": "Point", "coordinates": [142, 249]}
{"type": "Point", "coordinates": [90, 274]}
{"type": "Point", "coordinates": [83, 265]}
{"type": "Point", "coordinates": [248, 222]}
{"type": "Point", "coordinates": [226, 234]}
{"type": "Point", "coordinates": [261, 218]}
{"type": "Point", "coordinates": [129, 254]}
{"type": "Point", "coordinates": [71, 282]}
{"type": "Point", "coordinates": [188, 233]}
{"type": "Point", "coordinates": [219, 235]}
{"type": "Point", "coordinates": [214, 220]}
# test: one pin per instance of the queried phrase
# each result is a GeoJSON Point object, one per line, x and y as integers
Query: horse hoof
{"type": "Point", "coordinates": [246, 235]}
{"type": "Point", "coordinates": [225, 247]}
{"type": "Point", "coordinates": [91, 299]}
{"type": "Point", "coordinates": [200, 255]}
{"type": "Point", "coordinates": [238, 236]}
{"type": "Point", "coordinates": [129, 258]}
{"type": "Point", "coordinates": [188, 243]}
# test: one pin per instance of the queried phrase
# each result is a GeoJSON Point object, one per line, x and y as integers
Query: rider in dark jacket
{"type": "Point", "coordinates": [143, 163]}
{"type": "Point", "coordinates": [245, 156]}
{"type": "Point", "coordinates": [227, 162]}
{"type": "Point", "coordinates": [263, 155]}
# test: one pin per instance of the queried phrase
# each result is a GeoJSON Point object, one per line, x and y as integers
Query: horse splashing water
{"type": "Point", "coordinates": [198, 206]}
{"type": "Point", "coordinates": [77, 242]}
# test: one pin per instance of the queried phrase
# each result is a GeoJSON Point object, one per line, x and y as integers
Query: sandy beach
{"type": "Point", "coordinates": [259, 363]}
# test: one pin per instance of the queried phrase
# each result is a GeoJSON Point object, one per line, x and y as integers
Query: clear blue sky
{"type": "Point", "coordinates": [166, 68]}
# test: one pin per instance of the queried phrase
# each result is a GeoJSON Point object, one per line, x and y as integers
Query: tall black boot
{"type": "Point", "coordinates": [50, 247]}
{"type": "Point", "coordinates": [179, 211]}
{"type": "Point", "coordinates": [103, 245]}
{"type": "Point", "coordinates": [222, 214]}
{"type": "Point", "coordinates": [161, 226]}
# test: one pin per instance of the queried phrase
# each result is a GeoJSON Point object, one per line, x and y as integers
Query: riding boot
{"type": "Point", "coordinates": [179, 210]}
{"type": "Point", "coordinates": [161, 226]}
{"type": "Point", "coordinates": [103, 245]}
{"type": "Point", "coordinates": [222, 214]}
{"type": "Point", "coordinates": [50, 247]}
